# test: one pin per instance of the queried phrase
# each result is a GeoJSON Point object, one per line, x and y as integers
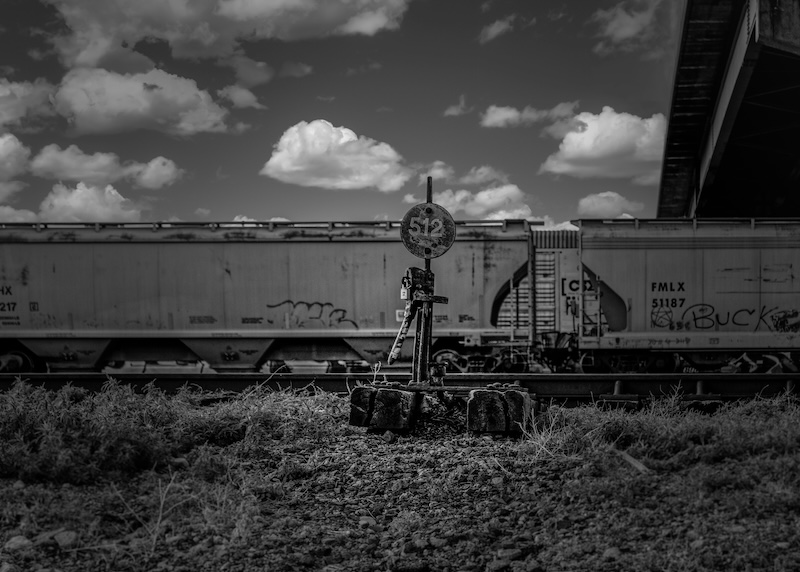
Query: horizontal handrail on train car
{"type": "Point", "coordinates": [97, 225]}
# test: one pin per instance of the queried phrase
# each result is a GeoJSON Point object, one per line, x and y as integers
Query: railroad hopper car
{"type": "Point", "coordinates": [713, 295]}
{"type": "Point", "coordinates": [614, 295]}
{"type": "Point", "coordinates": [249, 296]}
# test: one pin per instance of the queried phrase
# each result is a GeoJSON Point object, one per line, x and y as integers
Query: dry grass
{"type": "Point", "coordinates": [169, 471]}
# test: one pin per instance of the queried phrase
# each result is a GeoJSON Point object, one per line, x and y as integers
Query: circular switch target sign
{"type": "Point", "coordinates": [428, 230]}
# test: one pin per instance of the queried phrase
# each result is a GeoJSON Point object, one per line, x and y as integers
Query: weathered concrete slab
{"type": "Point", "coordinates": [395, 409]}
{"type": "Point", "coordinates": [486, 411]}
{"type": "Point", "coordinates": [362, 403]}
{"type": "Point", "coordinates": [496, 411]}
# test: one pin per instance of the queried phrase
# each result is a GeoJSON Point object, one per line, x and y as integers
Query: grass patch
{"type": "Point", "coordinates": [75, 436]}
{"type": "Point", "coordinates": [668, 435]}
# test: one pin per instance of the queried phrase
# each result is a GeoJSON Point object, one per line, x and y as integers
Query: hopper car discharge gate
{"type": "Point", "coordinates": [428, 231]}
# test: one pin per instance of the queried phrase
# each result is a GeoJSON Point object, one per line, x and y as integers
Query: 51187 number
{"type": "Point", "coordinates": [668, 302]}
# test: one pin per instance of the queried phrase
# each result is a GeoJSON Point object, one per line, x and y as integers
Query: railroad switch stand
{"type": "Point", "coordinates": [417, 291]}
{"type": "Point", "coordinates": [427, 231]}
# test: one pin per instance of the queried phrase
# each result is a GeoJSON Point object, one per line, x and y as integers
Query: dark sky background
{"type": "Point", "coordinates": [316, 110]}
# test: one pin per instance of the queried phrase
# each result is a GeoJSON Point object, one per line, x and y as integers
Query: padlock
{"type": "Point", "coordinates": [404, 293]}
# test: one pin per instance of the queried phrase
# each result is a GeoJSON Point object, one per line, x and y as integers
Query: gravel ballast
{"type": "Point", "coordinates": [584, 490]}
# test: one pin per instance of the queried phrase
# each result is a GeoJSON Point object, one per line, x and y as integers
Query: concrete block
{"type": "Point", "coordinates": [362, 404]}
{"type": "Point", "coordinates": [486, 411]}
{"type": "Point", "coordinates": [520, 410]}
{"type": "Point", "coordinates": [496, 411]}
{"type": "Point", "coordinates": [395, 409]}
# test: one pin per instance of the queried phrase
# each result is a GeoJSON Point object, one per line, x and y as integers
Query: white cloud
{"type": "Point", "coordinates": [459, 108]}
{"type": "Point", "coordinates": [499, 116]}
{"type": "Point", "coordinates": [506, 201]}
{"type": "Point", "coordinates": [210, 28]}
{"type": "Point", "coordinates": [13, 157]}
{"type": "Point", "coordinates": [607, 205]}
{"type": "Point", "coordinates": [201, 212]}
{"type": "Point", "coordinates": [10, 188]}
{"type": "Point", "coordinates": [87, 204]}
{"type": "Point", "coordinates": [240, 97]}
{"type": "Point", "coordinates": [243, 218]}
{"type": "Point", "coordinates": [10, 214]}
{"type": "Point", "coordinates": [366, 68]}
{"type": "Point", "coordinates": [295, 69]}
{"type": "Point", "coordinates": [278, 219]}
{"type": "Point", "coordinates": [482, 175]}
{"type": "Point", "coordinates": [317, 154]}
{"type": "Point", "coordinates": [99, 101]}
{"type": "Point", "coordinates": [24, 100]}
{"type": "Point", "coordinates": [159, 172]}
{"type": "Point", "coordinates": [410, 199]}
{"type": "Point", "coordinates": [496, 29]}
{"type": "Point", "coordinates": [439, 171]}
{"type": "Point", "coordinates": [249, 72]}
{"type": "Point", "coordinates": [651, 26]}
{"type": "Point", "coordinates": [611, 144]}
{"type": "Point", "coordinates": [72, 164]}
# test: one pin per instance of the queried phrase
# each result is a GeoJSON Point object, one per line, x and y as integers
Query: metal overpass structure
{"type": "Point", "coordinates": [733, 136]}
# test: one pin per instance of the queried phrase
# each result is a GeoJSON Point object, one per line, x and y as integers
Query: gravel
{"type": "Point", "coordinates": [439, 500]}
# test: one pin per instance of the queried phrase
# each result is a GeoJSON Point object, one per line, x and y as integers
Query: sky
{"type": "Point", "coordinates": [333, 110]}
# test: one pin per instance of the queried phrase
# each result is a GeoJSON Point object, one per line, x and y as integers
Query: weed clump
{"type": "Point", "coordinates": [76, 436]}
{"type": "Point", "coordinates": [667, 434]}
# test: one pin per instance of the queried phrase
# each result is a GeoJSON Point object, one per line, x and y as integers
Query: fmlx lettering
{"type": "Point", "coordinates": [667, 287]}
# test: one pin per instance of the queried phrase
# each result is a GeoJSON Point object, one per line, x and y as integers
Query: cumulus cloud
{"type": "Point", "coordinates": [99, 101]}
{"type": "Point", "coordinates": [249, 72]}
{"type": "Point", "coordinates": [87, 203]}
{"type": "Point", "coordinates": [482, 175]}
{"type": "Point", "coordinates": [317, 154]}
{"type": "Point", "coordinates": [159, 172]}
{"type": "Point", "coordinates": [459, 108]}
{"type": "Point", "coordinates": [210, 28]}
{"type": "Point", "coordinates": [21, 101]}
{"type": "Point", "coordinates": [611, 144]}
{"type": "Point", "coordinates": [72, 164]}
{"type": "Point", "coordinates": [649, 26]}
{"type": "Point", "coordinates": [607, 205]}
{"type": "Point", "coordinates": [240, 97]}
{"type": "Point", "coordinates": [497, 29]}
{"type": "Point", "coordinates": [10, 214]}
{"type": "Point", "coordinates": [366, 68]}
{"type": "Point", "coordinates": [10, 188]}
{"type": "Point", "coordinates": [439, 171]}
{"type": "Point", "coordinates": [202, 212]}
{"type": "Point", "coordinates": [506, 201]}
{"type": "Point", "coordinates": [295, 69]}
{"type": "Point", "coordinates": [13, 157]}
{"type": "Point", "coordinates": [499, 116]}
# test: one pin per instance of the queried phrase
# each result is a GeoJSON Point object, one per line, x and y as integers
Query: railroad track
{"type": "Point", "coordinates": [558, 387]}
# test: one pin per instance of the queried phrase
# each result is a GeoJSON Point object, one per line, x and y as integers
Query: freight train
{"type": "Point", "coordinates": [613, 295]}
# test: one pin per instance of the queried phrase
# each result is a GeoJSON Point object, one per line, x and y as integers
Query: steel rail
{"type": "Point", "coordinates": [568, 387]}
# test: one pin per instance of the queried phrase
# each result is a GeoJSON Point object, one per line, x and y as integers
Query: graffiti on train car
{"type": "Point", "coordinates": [704, 316]}
{"type": "Point", "coordinates": [309, 315]}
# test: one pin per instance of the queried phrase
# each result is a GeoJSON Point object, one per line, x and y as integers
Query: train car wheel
{"type": "Point", "coordinates": [453, 360]}
{"type": "Point", "coordinates": [15, 362]}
